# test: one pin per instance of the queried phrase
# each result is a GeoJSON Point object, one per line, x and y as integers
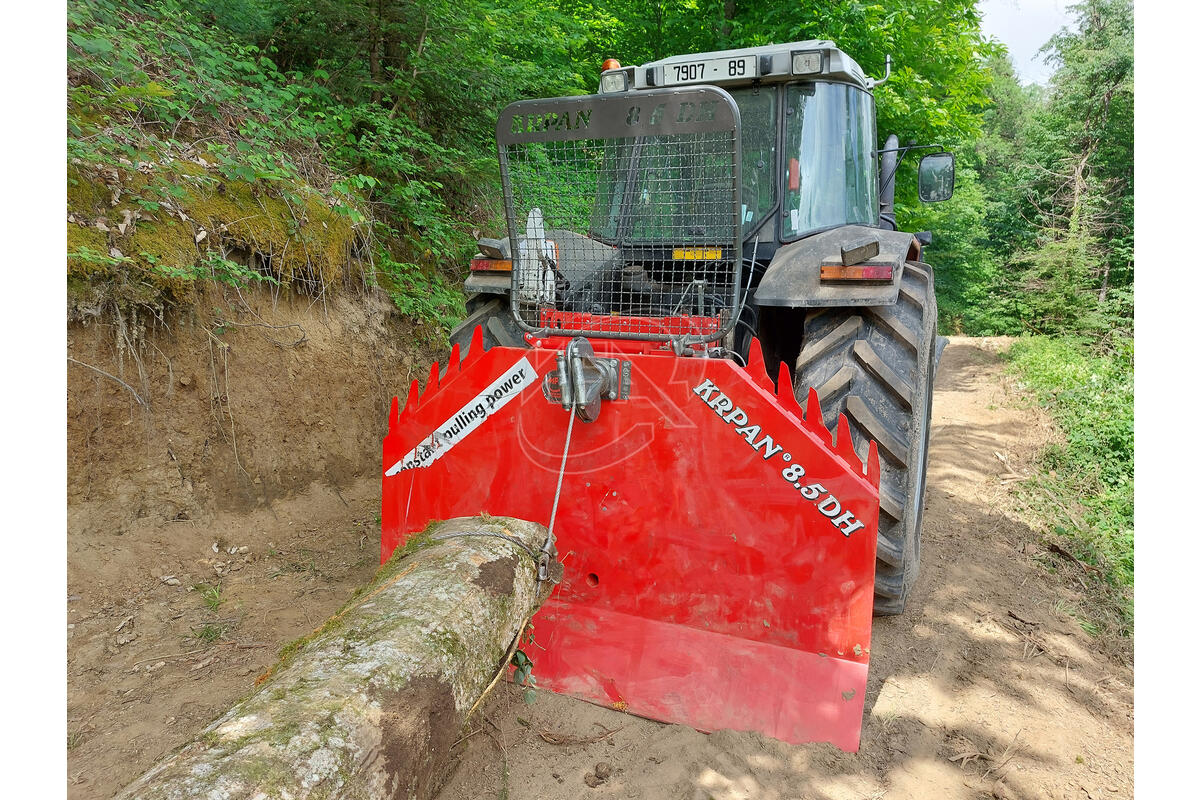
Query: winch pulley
{"type": "Point", "coordinates": [583, 379]}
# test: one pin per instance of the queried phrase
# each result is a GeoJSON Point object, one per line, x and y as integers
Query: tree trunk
{"type": "Point", "coordinates": [369, 705]}
{"type": "Point", "coordinates": [374, 60]}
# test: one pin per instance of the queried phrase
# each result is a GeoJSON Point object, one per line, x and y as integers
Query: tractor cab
{"type": "Point", "coordinates": [631, 211]}
{"type": "Point", "coordinates": [808, 153]}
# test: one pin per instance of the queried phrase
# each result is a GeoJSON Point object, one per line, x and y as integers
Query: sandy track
{"type": "Point", "coordinates": [986, 687]}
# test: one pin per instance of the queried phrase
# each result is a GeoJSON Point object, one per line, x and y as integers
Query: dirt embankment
{"type": "Point", "coordinates": [252, 424]}
{"type": "Point", "coordinates": [986, 687]}
{"type": "Point", "coordinates": [242, 402]}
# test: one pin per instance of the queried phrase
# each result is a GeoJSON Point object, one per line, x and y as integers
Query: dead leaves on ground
{"type": "Point", "coordinates": [1027, 630]}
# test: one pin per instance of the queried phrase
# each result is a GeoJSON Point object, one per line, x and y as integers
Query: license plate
{"type": "Point", "coordinates": [713, 69]}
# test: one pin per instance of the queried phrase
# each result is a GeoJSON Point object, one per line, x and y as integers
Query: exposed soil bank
{"type": "Point", "coordinates": [256, 426]}
{"type": "Point", "coordinates": [245, 401]}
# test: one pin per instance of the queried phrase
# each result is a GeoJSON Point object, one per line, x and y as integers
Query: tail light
{"type": "Point", "coordinates": [484, 264]}
{"type": "Point", "coordinates": [857, 272]}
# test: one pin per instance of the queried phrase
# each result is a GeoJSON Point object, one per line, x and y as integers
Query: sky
{"type": "Point", "coordinates": [1024, 26]}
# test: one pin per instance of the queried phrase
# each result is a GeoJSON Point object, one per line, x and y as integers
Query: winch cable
{"type": "Point", "coordinates": [562, 470]}
{"type": "Point", "coordinates": [750, 280]}
{"type": "Point", "coordinates": [548, 552]}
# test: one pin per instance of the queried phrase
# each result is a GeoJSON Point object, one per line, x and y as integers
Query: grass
{"type": "Point", "coordinates": [210, 633]}
{"type": "Point", "coordinates": [211, 595]}
{"type": "Point", "coordinates": [1084, 490]}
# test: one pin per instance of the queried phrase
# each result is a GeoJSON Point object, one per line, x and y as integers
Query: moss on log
{"type": "Point", "coordinates": [370, 704]}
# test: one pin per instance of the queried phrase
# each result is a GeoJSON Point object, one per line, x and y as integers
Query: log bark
{"type": "Point", "coordinates": [370, 704]}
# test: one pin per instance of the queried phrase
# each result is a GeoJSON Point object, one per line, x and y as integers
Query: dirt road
{"type": "Point", "coordinates": [986, 687]}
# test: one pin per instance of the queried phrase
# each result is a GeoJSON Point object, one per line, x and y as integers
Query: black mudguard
{"type": "Point", "coordinates": [793, 278]}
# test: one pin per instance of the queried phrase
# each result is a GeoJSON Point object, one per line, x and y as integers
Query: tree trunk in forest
{"type": "Point", "coordinates": [371, 703]}
{"type": "Point", "coordinates": [376, 65]}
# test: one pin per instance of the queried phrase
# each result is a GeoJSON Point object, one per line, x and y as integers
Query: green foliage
{"type": "Point", "coordinates": [214, 266]}
{"type": "Point", "coordinates": [1089, 391]}
{"type": "Point", "coordinates": [965, 265]}
{"type": "Point", "coordinates": [407, 93]}
{"type": "Point", "coordinates": [210, 633]}
{"type": "Point", "coordinates": [210, 595]}
{"type": "Point", "coordinates": [144, 74]}
{"type": "Point", "coordinates": [420, 295]}
{"type": "Point", "coordinates": [151, 81]}
{"type": "Point", "coordinates": [94, 258]}
{"type": "Point", "coordinates": [524, 668]}
{"type": "Point", "coordinates": [1057, 170]}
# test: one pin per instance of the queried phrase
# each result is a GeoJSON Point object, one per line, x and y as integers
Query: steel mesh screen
{"type": "Point", "coordinates": [634, 235]}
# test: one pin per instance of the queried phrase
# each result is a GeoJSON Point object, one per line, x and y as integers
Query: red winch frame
{"type": "Point", "coordinates": [718, 543]}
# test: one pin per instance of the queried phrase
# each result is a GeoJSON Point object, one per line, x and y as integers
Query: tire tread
{"type": "Point", "coordinates": [875, 364]}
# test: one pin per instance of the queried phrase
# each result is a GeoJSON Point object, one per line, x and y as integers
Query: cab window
{"type": "Point", "coordinates": [759, 140]}
{"type": "Point", "coordinates": [828, 142]}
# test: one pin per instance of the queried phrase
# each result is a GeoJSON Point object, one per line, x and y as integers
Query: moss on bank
{"type": "Point", "coordinates": [149, 238]}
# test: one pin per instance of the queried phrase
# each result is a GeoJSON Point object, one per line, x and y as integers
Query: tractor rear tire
{"type": "Point", "coordinates": [492, 313]}
{"type": "Point", "coordinates": [876, 365]}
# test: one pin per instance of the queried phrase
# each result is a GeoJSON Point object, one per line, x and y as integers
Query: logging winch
{"type": "Point", "coordinates": [703, 357]}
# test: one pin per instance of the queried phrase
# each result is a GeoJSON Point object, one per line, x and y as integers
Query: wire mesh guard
{"type": "Point", "coordinates": [624, 213]}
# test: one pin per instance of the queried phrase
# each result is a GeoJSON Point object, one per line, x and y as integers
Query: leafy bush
{"type": "Point", "coordinates": [177, 117]}
{"type": "Point", "coordinates": [417, 294]}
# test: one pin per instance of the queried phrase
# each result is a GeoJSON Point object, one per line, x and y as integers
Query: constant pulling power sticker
{"type": "Point", "coordinates": [468, 418]}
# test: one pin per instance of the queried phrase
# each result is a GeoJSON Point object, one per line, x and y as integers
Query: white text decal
{"type": "Point", "coordinates": [468, 418]}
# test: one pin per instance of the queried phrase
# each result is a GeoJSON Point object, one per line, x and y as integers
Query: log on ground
{"type": "Point", "coordinates": [370, 704]}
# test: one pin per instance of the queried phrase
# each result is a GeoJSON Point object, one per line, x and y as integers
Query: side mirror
{"type": "Point", "coordinates": [935, 177]}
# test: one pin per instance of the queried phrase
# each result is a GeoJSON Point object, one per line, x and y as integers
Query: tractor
{"type": "Point", "coordinates": [702, 269]}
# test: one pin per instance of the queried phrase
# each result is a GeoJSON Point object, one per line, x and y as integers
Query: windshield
{"type": "Point", "coordinates": [758, 111]}
{"type": "Point", "coordinates": [829, 135]}
{"type": "Point", "coordinates": [663, 202]}
{"type": "Point", "coordinates": [680, 190]}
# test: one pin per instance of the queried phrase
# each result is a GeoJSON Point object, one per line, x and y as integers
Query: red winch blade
{"type": "Point", "coordinates": [718, 549]}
